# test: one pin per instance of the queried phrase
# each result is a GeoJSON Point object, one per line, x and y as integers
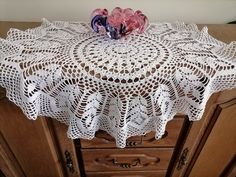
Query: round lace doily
{"type": "Point", "coordinates": [126, 87]}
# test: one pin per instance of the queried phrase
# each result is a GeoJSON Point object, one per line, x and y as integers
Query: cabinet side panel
{"type": "Point", "coordinates": [28, 142]}
{"type": "Point", "coordinates": [220, 145]}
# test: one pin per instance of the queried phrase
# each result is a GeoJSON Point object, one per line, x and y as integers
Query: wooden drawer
{"type": "Point", "coordinates": [127, 174]}
{"type": "Point", "coordinates": [126, 159]}
{"type": "Point", "coordinates": [173, 128]}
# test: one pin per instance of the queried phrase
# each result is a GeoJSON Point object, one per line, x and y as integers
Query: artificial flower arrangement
{"type": "Point", "coordinates": [120, 22]}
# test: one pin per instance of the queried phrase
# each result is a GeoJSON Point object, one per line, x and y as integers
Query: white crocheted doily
{"type": "Point", "coordinates": [126, 87]}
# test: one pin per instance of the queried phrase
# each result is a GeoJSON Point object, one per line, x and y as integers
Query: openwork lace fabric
{"type": "Point", "coordinates": [126, 87]}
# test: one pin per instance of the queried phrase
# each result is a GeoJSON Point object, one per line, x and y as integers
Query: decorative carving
{"type": "Point", "coordinates": [134, 143]}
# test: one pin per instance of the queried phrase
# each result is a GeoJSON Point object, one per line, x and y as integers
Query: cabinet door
{"type": "Point", "coordinates": [31, 143]}
{"type": "Point", "coordinates": [220, 147]}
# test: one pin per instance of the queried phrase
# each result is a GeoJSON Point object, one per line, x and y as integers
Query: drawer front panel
{"type": "Point", "coordinates": [127, 174]}
{"type": "Point", "coordinates": [103, 140]}
{"type": "Point", "coordinates": [126, 159]}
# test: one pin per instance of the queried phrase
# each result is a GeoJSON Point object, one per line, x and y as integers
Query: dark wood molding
{"type": "Point", "coordinates": [179, 146]}
{"type": "Point", "coordinates": [2, 93]}
{"type": "Point", "coordinates": [79, 157]}
{"type": "Point", "coordinates": [229, 168]}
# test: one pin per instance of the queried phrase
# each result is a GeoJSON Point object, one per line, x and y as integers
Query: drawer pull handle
{"type": "Point", "coordinates": [183, 159]}
{"type": "Point", "coordinates": [69, 162]}
{"type": "Point", "coordinates": [140, 161]}
{"type": "Point", "coordinates": [135, 163]}
{"type": "Point", "coordinates": [127, 165]}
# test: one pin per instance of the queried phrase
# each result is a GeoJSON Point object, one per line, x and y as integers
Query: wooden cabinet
{"type": "Point", "coordinates": [32, 148]}
{"type": "Point", "coordinates": [203, 148]}
{"type": "Point", "coordinates": [41, 148]}
{"type": "Point", "coordinates": [142, 153]}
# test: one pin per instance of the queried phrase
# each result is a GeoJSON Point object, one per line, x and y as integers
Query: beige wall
{"type": "Point", "coordinates": [197, 11]}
